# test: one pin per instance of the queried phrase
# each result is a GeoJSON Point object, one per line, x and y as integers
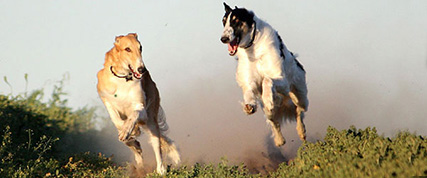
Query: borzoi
{"type": "Point", "coordinates": [132, 100]}
{"type": "Point", "coordinates": [267, 71]}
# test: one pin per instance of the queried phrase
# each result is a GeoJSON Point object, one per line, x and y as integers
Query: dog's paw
{"type": "Point", "coordinates": [301, 131]}
{"type": "Point", "coordinates": [279, 141]}
{"type": "Point", "coordinates": [301, 134]}
{"type": "Point", "coordinates": [249, 109]}
{"type": "Point", "coordinates": [161, 169]}
{"type": "Point", "coordinates": [126, 131]}
{"type": "Point", "coordinates": [303, 137]}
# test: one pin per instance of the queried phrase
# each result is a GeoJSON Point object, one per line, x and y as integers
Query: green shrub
{"type": "Point", "coordinates": [37, 138]}
{"type": "Point", "coordinates": [346, 153]}
{"type": "Point", "coordinates": [91, 165]}
{"type": "Point", "coordinates": [221, 170]}
{"type": "Point", "coordinates": [359, 153]}
{"type": "Point", "coordinates": [27, 158]}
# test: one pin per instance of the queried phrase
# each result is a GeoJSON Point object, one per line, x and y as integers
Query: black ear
{"type": "Point", "coordinates": [227, 8]}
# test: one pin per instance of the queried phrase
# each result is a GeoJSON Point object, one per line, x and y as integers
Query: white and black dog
{"type": "Point", "coordinates": [267, 71]}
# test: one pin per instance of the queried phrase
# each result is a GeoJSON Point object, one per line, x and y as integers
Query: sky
{"type": "Point", "coordinates": [366, 63]}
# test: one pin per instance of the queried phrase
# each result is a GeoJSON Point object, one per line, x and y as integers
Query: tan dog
{"type": "Point", "coordinates": [132, 100]}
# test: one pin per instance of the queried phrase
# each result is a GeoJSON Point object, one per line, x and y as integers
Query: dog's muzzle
{"type": "Point", "coordinates": [139, 73]}
{"type": "Point", "coordinates": [225, 39]}
{"type": "Point", "coordinates": [232, 45]}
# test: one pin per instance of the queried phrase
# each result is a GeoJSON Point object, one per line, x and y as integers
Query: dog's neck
{"type": "Point", "coordinates": [265, 34]}
{"type": "Point", "coordinates": [251, 42]}
{"type": "Point", "coordinates": [128, 77]}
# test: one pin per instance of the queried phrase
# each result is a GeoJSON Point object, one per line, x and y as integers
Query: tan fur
{"type": "Point", "coordinates": [132, 100]}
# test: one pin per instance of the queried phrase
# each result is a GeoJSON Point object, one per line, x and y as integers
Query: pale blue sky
{"type": "Point", "coordinates": [366, 61]}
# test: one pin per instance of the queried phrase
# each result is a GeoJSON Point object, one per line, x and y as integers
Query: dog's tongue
{"type": "Point", "coordinates": [137, 75]}
{"type": "Point", "coordinates": [232, 46]}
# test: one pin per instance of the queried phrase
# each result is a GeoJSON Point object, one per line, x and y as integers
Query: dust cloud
{"type": "Point", "coordinates": [206, 121]}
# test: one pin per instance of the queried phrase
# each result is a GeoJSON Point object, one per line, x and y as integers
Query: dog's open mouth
{"type": "Point", "coordinates": [232, 46]}
{"type": "Point", "coordinates": [135, 74]}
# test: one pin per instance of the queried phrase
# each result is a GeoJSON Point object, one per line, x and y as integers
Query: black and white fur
{"type": "Point", "coordinates": [267, 71]}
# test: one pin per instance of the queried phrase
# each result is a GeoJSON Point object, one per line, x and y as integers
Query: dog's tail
{"type": "Point", "coordinates": [287, 111]}
{"type": "Point", "coordinates": [167, 145]}
{"type": "Point", "coordinates": [161, 119]}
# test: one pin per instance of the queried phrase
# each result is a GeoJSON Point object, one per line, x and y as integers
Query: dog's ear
{"type": "Point", "coordinates": [133, 34]}
{"type": "Point", "coordinates": [227, 8]}
{"type": "Point", "coordinates": [117, 41]}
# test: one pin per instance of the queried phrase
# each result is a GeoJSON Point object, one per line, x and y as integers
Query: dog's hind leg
{"type": "Point", "coordinates": [153, 130]}
{"type": "Point", "coordinates": [270, 110]}
{"type": "Point", "coordinates": [268, 97]}
{"type": "Point", "coordinates": [300, 124]}
{"type": "Point", "coordinates": [169, 148]}
{"type": "Point", "coordinates": [279, 140]}
{"type": "Point", "coordinates": [300, 116]}
{"type": "Point", "coordinates": [167, 145]}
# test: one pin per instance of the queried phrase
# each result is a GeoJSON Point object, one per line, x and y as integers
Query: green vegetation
{"type": "Point", "coordinates": [37, 140]}
{"type": "Point", "coordinates": [359, 153]}
{"type": "Point", "coordinates": [346, 153]}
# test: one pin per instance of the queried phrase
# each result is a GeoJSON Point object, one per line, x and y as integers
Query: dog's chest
{"type": "Point", "coordinates": [127, 95]}
{"type": "Point", "coordinates": [258, 67]}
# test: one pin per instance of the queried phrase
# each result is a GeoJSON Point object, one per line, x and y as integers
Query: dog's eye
{"type": "Point", "coordinates": [234, 20]}
{"type": "Point", "coordinates": [128, 49]}
{"type": "Point", "coordinates": [140, 48]}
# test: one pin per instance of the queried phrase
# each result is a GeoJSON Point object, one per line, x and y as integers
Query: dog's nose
{"type": "Point", "coordinates": [225, 39]}
{"type": "Point", "coordinates": [141, 69]}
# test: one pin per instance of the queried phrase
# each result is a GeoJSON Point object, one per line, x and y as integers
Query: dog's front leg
{"type": "Point", "coordinates": [129, 125]}
{"type": "Point", "coordinates": [246, 77]}
{"type": "Point", "coordinates": [121, 125]}
{"type": "Point", "coordinates": [114, 115]}
{"type": "Point", "coordinates": [249, 98]}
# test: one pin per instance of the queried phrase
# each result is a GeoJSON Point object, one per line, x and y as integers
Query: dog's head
{"type": "Point", "coordinates": [128, 53]}
{"type": "Point", "coordinates": [238, 25]}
